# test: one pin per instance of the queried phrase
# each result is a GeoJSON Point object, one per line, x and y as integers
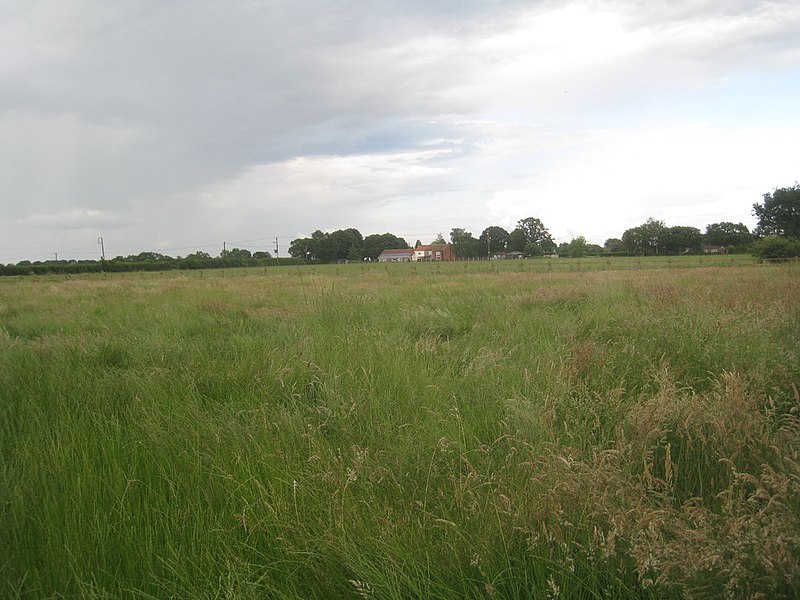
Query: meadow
{"type": "Point", "coordinates": [622, 428]}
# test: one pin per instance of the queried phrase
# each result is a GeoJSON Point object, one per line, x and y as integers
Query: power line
{"type": "Point", "coordinates": [252, 240]}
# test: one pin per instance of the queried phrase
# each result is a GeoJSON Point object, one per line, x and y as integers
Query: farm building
{"type": "Point", "coordinates": [396, 255]}
{"type": "Point", "coordinates": [433, 252]}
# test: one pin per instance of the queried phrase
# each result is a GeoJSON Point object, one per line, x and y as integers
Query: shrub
{"type": "Point", "coordinates": [773, 246]}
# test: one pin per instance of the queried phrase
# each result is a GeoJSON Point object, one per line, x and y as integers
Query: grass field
{"type": "Point", "coordinates": [531, 429]}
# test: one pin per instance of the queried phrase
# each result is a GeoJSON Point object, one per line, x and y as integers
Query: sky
{"type": "Point", "coordinates": [176, 126]}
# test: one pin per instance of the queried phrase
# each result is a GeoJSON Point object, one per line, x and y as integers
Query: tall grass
{"type": "Point", "coordinates": [402, 431]}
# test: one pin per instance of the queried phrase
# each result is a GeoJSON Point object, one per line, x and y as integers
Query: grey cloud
{"type": "Point", "coordinates": [210, 89]}
{"type": "Point", "coordinates": [220, 86]}
{"type": "Point", "coordinates": [127, 106]}
{"type": "Point", "coordinates": [737, 33]}
{"type": "Point", "coordinates": [77, 218]}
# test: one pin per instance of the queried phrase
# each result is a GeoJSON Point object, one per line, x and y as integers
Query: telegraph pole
{"type": "Point", "coordinates": [276, 247]}
{"type": "Point", "coordinates": [102, 247]}
{"type": "Point", "coordinates": [56, 255]}
{"type": "Point", "coordinates": [224, 250]}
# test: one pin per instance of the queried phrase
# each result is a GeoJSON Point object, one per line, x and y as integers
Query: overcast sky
{"type": "Point", "coordinates": [176, 125]}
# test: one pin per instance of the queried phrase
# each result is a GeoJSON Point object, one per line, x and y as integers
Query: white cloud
{"type": "Point", "coordinates": [694, 174]}
{"type": "Point", "coordinates": [373, 192]}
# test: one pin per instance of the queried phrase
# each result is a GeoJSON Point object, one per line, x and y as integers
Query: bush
{"type": "Point", "coordinates": [775, 247]}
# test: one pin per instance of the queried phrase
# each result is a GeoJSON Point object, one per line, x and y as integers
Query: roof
{"type": "Point", "coordinates": [398, 251]}
{"type": "Point", "coordinates": [431, 247]}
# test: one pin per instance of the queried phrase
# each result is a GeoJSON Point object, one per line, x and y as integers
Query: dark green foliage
{"type": "Point", "coordinates": [729, 235]}
{"type": "Point", "coordinates": [341, 244]}
{"type": "Point", "coordinates": [780, 213]}
{"type": "Point", "coordinates": [303, 248]}
{"type": "Point", "coordinates": [329, 247]}
{"type": "Point", "coordinates": [653, 237]}
{"type": "Point", "coordinates": [344, 244]}
{"type": "Point", "coordinates": [516, 241]}
{"type": "Point", "coordinates": [577, 248]}
{"type": "Point", "coordinates": [464, 245]}
{"type": "Point", "coordinates": [775, 247]}
{"type": "Point", "coordinates": [647, 239]}
{"type": "Point", "coordinates": [493, 240]}
{"type": "Point", "coordinates": [683, 240]}
{"type": "Point", "coordinates": [537, 237]}
{"type": "Point", "coordinates": [378, 242]}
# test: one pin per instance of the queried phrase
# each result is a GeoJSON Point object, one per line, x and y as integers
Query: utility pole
{"type": "Point", "coordinates": [56, 255]}
{"type": "Point", "coordinates": [102, 247]}
{"type": "Point", "coordinates": [276, 247]}
{"type": "Point", "coordinates": [224, 250]}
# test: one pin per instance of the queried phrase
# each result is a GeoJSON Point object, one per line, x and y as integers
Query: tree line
{"type": "Point", "coordinates": [149, 261]}
{"type": "Point", "coordinates": [776, 236]}
{"type": "Point", "coordinates": [531, 238]}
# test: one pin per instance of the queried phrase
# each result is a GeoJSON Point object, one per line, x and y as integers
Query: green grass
{"type": "Point", "coordinates": [588, 429]}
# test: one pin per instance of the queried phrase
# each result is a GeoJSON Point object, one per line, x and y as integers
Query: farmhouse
{"type": "Point", "coordinates": [396, 255]}
{"type": "Point", "coordinates": [433, 252]}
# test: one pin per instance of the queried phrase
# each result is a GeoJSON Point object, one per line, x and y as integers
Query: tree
{"type": "Point", "coordinates": [683, 240]}
{"type": "Point", "coordinates": [634, 241]}
{"type": "Point", "coordinates": [536, 235]}
{"type": "Point", "coordinates": [149, 257]}
{"type": "Point", "coordinates": [378, 242]}
{"type": "Point", "coordinates": [464, 245]}
{"type": "Point", "coordinates": [493, 239]}
{"type": "Point", "coordinates": [439, 239]}
{"type": "Point", "coordinates": [340, 243]}
{"type": "Point", "coordinates": [533, 249]}
{"type": "Point", "coordinates": [303, 248]}
{"type": "Point", "coordinates": [577, 247]}
{"type": "Point", "coordinates": [780, 213]}
{"type": "Point", "coordinates": [516, 241]}
{"type": "Point", "coordinates": [320, 250]}
{"type": "Point", "coordinates": [239, 254]}
{"type": "Point", "coordinates": [337, 245]}
{"type": "Point", "coordinates": [730, 235]}
{"type": "Point", "coordinates": [355, 254]}
{"type": "Point", "coordinates": [197, 260]}
{"type": "Point", "coordinates": [646, 238]}
{"type": "Point", "coordinates": [236, 257]}
{"type": "Point", "coordinates": [655, 234]}
{"type": "Point", "coordinates": [614, 245]}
